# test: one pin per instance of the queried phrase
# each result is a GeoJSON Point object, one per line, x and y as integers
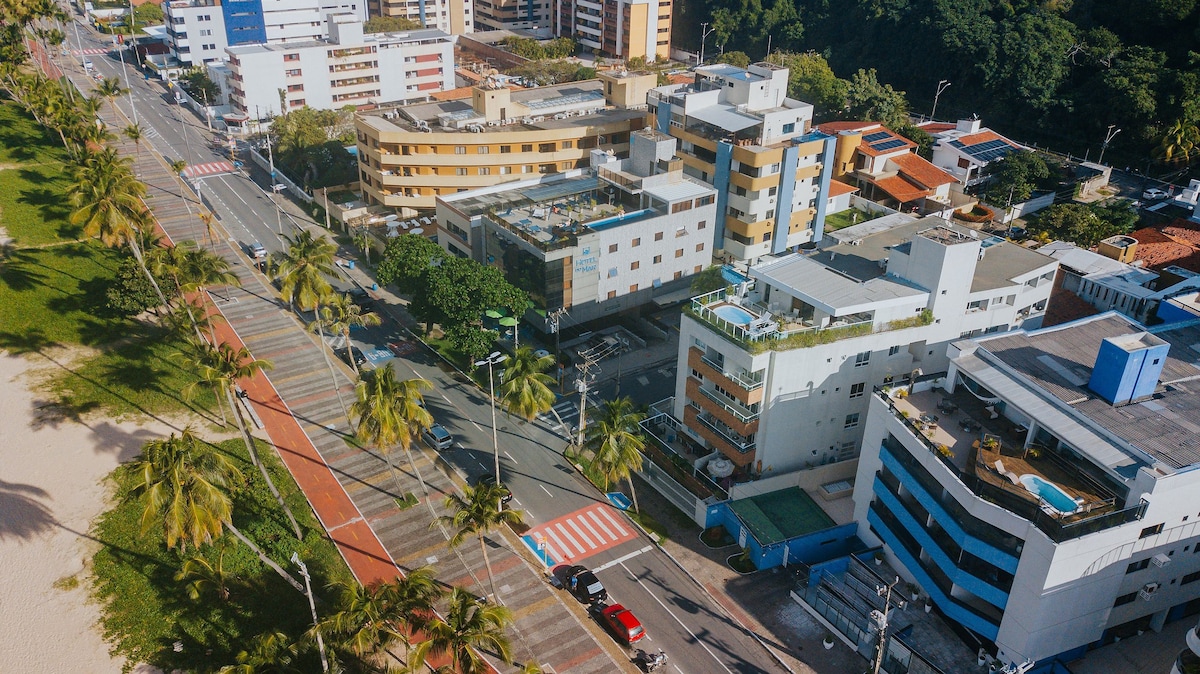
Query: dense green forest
{"type": "Point", "coordinates": [1056, 72]}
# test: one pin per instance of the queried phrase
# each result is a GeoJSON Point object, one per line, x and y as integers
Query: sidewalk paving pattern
{"type": "Point", "coordinates": [353, 490]}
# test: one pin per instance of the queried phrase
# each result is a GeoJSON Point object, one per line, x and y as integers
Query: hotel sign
{"type": "Point", "coordinates": [586, 262]}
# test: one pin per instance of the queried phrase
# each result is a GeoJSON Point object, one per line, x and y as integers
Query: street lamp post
{"type": "Point", "coordinates": [881, 620]}
{"type": "Point", "coordinates": [312, 606]}
{"type": "Point", "coordinates": [705, 31]}
{"type": "Point", "coordinates": [941, 86]}
{"type": "Point", "coordinates": [1107, 138]}
{"type": "Point", "coordinates": [494, 358]}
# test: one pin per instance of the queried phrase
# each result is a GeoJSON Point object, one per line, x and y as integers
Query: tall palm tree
{"type": "Point", "coordinates": [109, 89]}
{"type": "Point", "coordinates": [1180, 143]}
{"type": "Point", "coordinates": [108, 203]}
{"type": "Point", "coordinates": [184, 485]}
{"type": "Point", "coordinates": [616, 442]}
{"type": "Point", "coordinates": [468, 625]}
{"type": "Point", "coordinates": [368, 620]}
{"type": "Point", "coordinates": [224, 366]}
{"type": "Point", "coordinates": [338, 316]}
{"type": "Point", "coordinates": [526, 389]}
{"type": "Point", "coordinates": [304, 269]}
{"type": "Point", "coordinates": [362, 239]}
{"type": "Point", "coordinates": [390, 414]}
{"type": "Point", "coordinates": [204, 577]}
{"type": "Point", "coordinates": [208, 220]}
{"type": "Point", "coordinates": [269, 653]}
{"type": "Point", "coordinates": [203, 270]}
{"type": "Point", "coordinates": [135, 133]}
{"type": "Point", "coordinates": [477, 511]}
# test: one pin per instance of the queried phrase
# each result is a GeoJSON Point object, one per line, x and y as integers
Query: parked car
{"type": "Point", "coordinates": [584, 584]}
{"type": "Point", "coordinates": [620, 621]}
{"type": "Point", "coordinates": [258, 252]}
{"type": "Point", "coordinates": [438, 437]}
{"type": "Point", "coordinates": [1154, 193]}
{"type": "Point", "coordinates": [360, 358]}
{"type": "Point", "coordinates": [488, 478]}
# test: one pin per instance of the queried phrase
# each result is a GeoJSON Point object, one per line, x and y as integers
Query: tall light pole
{"type": "Point", "coordinates": [941, 86]}
{"type": "Point", "coordinates": [705, 31]}
{"type": "Point", "coordinates": [1107, 138]}
{"type": "Point", "coordinates": [494, 358]}
{"type": "Point", "coordinates": [881, 620]}
{"type": "Point", "coordinates": [312, 606]}
{"type": "Point", "coordinates": [128, 89]}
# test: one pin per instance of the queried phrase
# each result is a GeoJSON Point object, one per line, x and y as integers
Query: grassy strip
{"type": "Point", "coordinates": [33, 181]}
{"type": "Point", "coordinates": [146, 611]}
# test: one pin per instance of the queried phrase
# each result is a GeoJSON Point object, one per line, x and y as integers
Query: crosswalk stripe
{"type": "Point", "coordinates": [588, 524]}
{"type": "Point", "coordinates": [569, 537]}
{"type": "Point", "coordinates": [582, 535]}
{"type": "Point", "coordinates": [566, 552]}
{"type": "Point", "coordinates": [612, 520]}
{"type": "Point", "coordinates": [601, 525]}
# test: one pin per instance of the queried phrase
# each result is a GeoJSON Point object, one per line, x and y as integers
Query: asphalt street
{"type": "Point", "coordinates": [680, 617]}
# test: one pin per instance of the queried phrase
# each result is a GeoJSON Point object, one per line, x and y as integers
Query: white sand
{"type": "Point", "coordinates": [51, 488]}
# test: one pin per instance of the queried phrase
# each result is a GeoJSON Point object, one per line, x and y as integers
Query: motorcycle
{"type": "Point", "coordinates": [648, 662]}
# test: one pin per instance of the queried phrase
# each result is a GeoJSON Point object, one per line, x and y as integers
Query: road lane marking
{"type": "Point", "coordinates": [601, 525]}
{"type": "Point", "coordinates": [622, 559]}
{"type": "Point", "coordinates": [672, 614]}
{"type": "Point", "coordinates": [546, 490]}
{"type": "Point", "coordinates": [510, 458]}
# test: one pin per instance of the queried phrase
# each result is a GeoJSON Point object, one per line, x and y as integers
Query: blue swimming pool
{"type": "Point", "coordinates": [733, 314]}
{"type": "Point", "coordinates": [1050, 493]}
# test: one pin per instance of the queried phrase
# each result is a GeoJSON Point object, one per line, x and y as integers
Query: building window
{"type": "Point", "coordinates": [612, 248]}
{"type": "Point", "coordinates": [1151, 531]}
{"type": "Point", "coordinates": [526, 169]}
{"type": "Point", "coordinates": [637, 242]}
{"type": "Point", "coordinates": [657, 259]}
{"type": "Point", "coordinates": [862, 359]}
{"type": "Point", "coordinates": [527, 148]}
{"type": "Point", "coordinates": [658, 236]}
{"type": "Point", "coordinates": [485, 171]}
{"type": "Point", "coordinates": [1137, 566]}
{"type": "Point", "coordinates": [851, 421]}
{"type": "Point", "coordinates": [790, 127]}
{"type": "Point", "coordinates": [1125, 599]}
{"type": "Point", "coordinates": [505, 170]}
{"type": "Point", "coordinates": [856, 390]}
{"type": "Point", "coordinates": [702, 224]}
{"type": "Point", "coordinates": [635, 265]}
{"type": "Point", "coordinates": [679, 252]}
{"type": "Point", "coordinates": [612, 294]}
{"type": "Point", "coordinates": [291, 57]}
{"type": "Point", "coordinates": [699, 247]}
{"type": "Point", "coordinates": [568, 144]}
{"type": "Point", "coordinates": [460, 171]}
{"type": "Point", "coordinates": [295, 87]}
{"type": "Point", "coordinates": [482, 149]}
{"type": "Point", "coordinates": [460, 149]}
{"type": "Point", "coordinates": [1190, 578]}
{"type": "Point", "coordinates": [505, 149]}
{"type": "Point", "coordinates": [633, 288]}
{"type": "Point", "coordinates": [894, 350]}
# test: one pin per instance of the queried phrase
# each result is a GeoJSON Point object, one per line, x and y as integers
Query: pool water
{"type": "Point", "coordinates": [1050, 493]}
{"type": "Point", "coordinates": [733, 314]}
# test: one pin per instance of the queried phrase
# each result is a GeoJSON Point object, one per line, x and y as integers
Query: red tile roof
{"type": "Point", "coordinates": [837, 188]}
{"type": "Point", "coordinates": [681, 78]}
{"type": "Point", "coordinates": [900, 189]}
{"type": "Point", "coordinates": [452, 94]}
{"type": "Point", "coordinates": [921, 171]}
{"type": "Point", "coordinates": [937, 127]}
{"type": "Point", "coordinates": [832, 128]}
{"type": "Point", "coordinates": [1157, 249]}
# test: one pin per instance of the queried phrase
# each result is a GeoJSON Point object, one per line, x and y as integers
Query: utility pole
{"type": "Point", "coordinates": [554, 317]}
{"type": "Point", "coordinates": [128, 89]}
{"type": "Point", "coordinates": [1104, 146]}
{"type": "Point", "coordinates": [79, 46]}
{"type": "Point", "coordinates": [591, 358]}
{"type": "Point", "coordinates": [705, 31]}
{"type": "Point", "coordinates": [274, 187]}
{"type": "Point", "coordinates": [941, 86]}
{"type": "Point", "coordinates": [881, 620]}
{"type": "Point", "coordinates": [494, 358]}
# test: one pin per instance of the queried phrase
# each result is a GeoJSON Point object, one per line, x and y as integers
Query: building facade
{"type": "Point", "coordinates": [411, 155]}
{"type": "Point", "coordinates": [886, 168]}
{"type": "Point", "coordinates": [1043, 492]}
{"type": "Point", "coordinates": [349, 68]}
{"type": "Point", "coordinates": [531, 15]}
{"type": "Point", "coordinates": [739, 131]}
{"type": "Point", "coordinates": [622, 29]}
{"type": "Point", "coordinates": [455, 17]}
{"type": "Point", "coordinates": [965, 149]}
{"type": "Point", "coordinates": [777, 373]}
{"type": "Point", "coordinates": [195, 30]}
{"type": "Point", "coordinates": [595, 242]}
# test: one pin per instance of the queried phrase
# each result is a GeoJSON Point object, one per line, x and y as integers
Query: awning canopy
{"type": "Point", "coordinates": [725, 117]}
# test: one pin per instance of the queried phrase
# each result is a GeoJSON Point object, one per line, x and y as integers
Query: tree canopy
{"type": "Point", "coordinates": [389, 24]}
{"type": "Point", "coordinates": [1085, 225]}
{"type": "Point", "coordinates": [1015, 177]}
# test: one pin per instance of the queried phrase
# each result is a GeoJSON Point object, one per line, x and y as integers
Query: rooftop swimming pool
{"type": "Point", "coordinates": [733, 313]}
{"type": "Point", "coordinates": [1051, 493]}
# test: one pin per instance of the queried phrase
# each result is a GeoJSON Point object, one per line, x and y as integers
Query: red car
{"type": "Point", "coordinates": [620, 621]}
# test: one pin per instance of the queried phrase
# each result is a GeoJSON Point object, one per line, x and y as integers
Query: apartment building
{"type": "Point", "coordinates": [776, 374]}
{"type": "Point", "coordinates": [886, 168]}
{"type": "Point", "coordinates": [195, 31]}
{"type": "Point", "coordinates": [739, 131]}
{"type": "Point", "coordinates": [1042, 491]}
{"type": "Point", "coordinates": [411, 155]}
{"type": "Point", "coordinates": [532, 15]}
{"type": "Point", "coordinates": [622, 29]}
{"type": "Point", "coordinates": [348, 68]}
{"type": "Point", "coordinates": [595, 242]}
{"type": "Point", "coordinates": [455, 17]}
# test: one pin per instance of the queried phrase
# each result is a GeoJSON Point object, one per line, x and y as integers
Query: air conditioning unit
{"type": "Point", "coordinates": [1148, 591]}
{"type": "Point", "coordinates": [1160, 560]}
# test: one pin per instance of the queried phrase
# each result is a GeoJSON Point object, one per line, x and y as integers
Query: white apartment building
{"type": "Point", "coordinates": [1051, 507]}
{"type": "Point", "coordinates": [455, 17]}
{"type": "Point", "coordinates": [966, 148]}
{"type": "Point", "coordinates": [776, 373]}
{"type": "Point", "coordinates": [195, 31]}
{"type": "Point", "coordinates": [596, 241]}
{"type": "Point", "coordinates": [739, 131]}
{"type": "Point", "coordinates": [614, 28]}
{"type": "Point", "coordinates": [349, 68]}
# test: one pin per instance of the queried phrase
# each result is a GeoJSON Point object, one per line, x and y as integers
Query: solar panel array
{"type": "Point", "coordinates": [887, 145]}
{"type": "Point", "coordinates": [878, 135]}
{"type": "Point", "coordinates": [987, 151]}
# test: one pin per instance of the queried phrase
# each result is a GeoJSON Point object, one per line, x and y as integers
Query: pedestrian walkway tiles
{"type": "Point", "coordinates": [211, 168]}
{"type": "Point", "coordinates": [579, 535]}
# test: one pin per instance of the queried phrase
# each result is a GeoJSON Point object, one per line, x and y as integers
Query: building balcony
{"type": "Point", "coordinates": [733, 451]}
{"type": "Point", "coordinates": [996, 460]}
{"type": "Point", "coordinates": [740, 420]}
{"type": "Point", "coordinates": [672, 451]}
{"type": "Point", "coordinates": [745, 386]}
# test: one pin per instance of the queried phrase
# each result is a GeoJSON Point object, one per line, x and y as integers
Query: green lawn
{"type": "Point", "coordinates": [846, 218]}
{"type": "Point", "coordinates": [146, 611]}
{"type": "Point", "coordinates": [33, 181]}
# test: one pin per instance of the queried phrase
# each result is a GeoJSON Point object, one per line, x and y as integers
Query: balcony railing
{"type": "Point", "coordinates": [750, 381]}
{"type": "Point", "coordinates": [740, 413]}
{"type": "Point", "coordinates": [733, 439]}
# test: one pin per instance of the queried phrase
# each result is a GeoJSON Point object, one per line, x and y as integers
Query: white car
{"type": "Point", "coordinates": [1154, 193]}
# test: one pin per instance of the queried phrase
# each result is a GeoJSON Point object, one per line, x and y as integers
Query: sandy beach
{"type": "Point", "coordinates": [51, 488]}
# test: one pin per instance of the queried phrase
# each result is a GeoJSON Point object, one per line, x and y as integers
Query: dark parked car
{"type": "Point", "coordinates": [360, 358]}
{"type": "Point", "coordinates": [488, 478]}
{"type": "Point", "coordinates": [585, 585]}
{"type": "Point", "coordinates": [620, 621]}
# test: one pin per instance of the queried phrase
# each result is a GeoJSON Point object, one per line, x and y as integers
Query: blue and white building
{"type": "Point", "coordinates": [1043, 490]}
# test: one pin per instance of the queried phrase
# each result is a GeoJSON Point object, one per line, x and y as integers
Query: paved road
{"type": "Point", "coordinates": [680, 617]}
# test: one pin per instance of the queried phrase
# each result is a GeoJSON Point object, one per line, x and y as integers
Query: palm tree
{"type": "Point", "coordinates": [390, 414]}
{"type": "Point", "coordinates": [224, 366]}
{"type": "Point", "coordinates": [368, 620]}
{"type": "Point", "coordinates": [184, 485]}
{"type": "Point", "coordinates": [269, 653]}
{"type": "Point", "coordinates": [109, 89]}
{"type": "Point", "coordinates": [178, 166]}
{"type": "Point", "coordinates": [616, 443]}
{"type": "Point", "coordinates": [202, 270]}
{"type": "Point", "coordinates": [303, 270]}
{"type": "Point", "coordinates": [208, 219]}
{"type": "Point", "coordinates": [477, 511]}
{"type": "Point", "coordinates": [362, 239]}
{"type": "Point", "coordinates": [526, 389]}
{"type": "Point", "coordinates": [338, 316]}
{"type": "Point", "coordinates": [108, 203]}
{"type": "Point", "coordinates": [135, 133]}
{"type": "Point", "coordinates": [1180, 143]}
{"type": "Point", "coordinates": [204, 576]}
{"type": "Point", "coordinates": [468, 625]}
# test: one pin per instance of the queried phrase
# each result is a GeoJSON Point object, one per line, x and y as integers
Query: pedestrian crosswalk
{"type": "Point", "coordinates": [566, 411]}
{"type": "Point", "coordinates": [90, 52]}
{"type": "Point", "coordinates": [579, 535]}
{"type": "Point", "coordinates": [211, 168]}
